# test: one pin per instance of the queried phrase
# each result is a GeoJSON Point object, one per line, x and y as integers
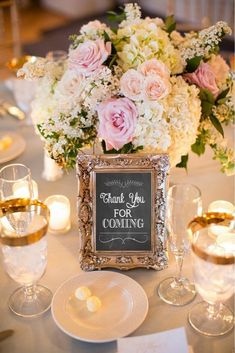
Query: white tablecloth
{"type": "Point", "coordinates": [41, 335]}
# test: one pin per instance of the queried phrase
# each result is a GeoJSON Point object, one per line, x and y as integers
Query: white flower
{"type": "Point", "coordinates": [133, 14]}
{"type": "Point", "coordinates": [70, 82]}
{"type": "Point", "coordinates": [147, 69]}
{"type": "Point", "coordinates": [169, 126]}
{"type": "Point", "coordinates": [145, 40]}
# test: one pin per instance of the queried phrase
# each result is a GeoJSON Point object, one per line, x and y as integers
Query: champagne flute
{"type": "Point", "coordinates": [184, 203]}
{"type": "Point", "coordinates": [25, 256]}
{"type": "Point", "coordinates": [11, 177]}
{"type": "Point", "coordinates": [213, 258]}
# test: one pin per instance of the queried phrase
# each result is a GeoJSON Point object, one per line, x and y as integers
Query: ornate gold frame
{"type": "Point", "coordinates": [87, 166]}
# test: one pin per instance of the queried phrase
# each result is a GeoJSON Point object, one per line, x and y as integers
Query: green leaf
{"type": "Point", "coordinates": [206, 95]}
{"type": "Point", "coordinates": [207, 102]}
{"type": "Point", "coordinates": [192, 64]}
{"type": "Point", "coordinates": [217, 124]}
{"type": "Point", "coordinates": [215, 50]}
{"type": "Point", "coordinates": [199, 146]}
{"type": "Point", "coordinates": [222, 95]}
{"type": "Point", "coordinates": [106, 37]}
{"type": "Point", "coordinates": [112, 61]}
{"type": "Point", "coordinates": [114, 30]}
{"type": "Point", "coordinates": [116, 17]}
{"type": "Point", "coordinates": [170, 24]}
{"type": "Point", "coordinates": [127, 148]}
{"type": "Point", "coordinates": [222, 100]}
{"type": "Point", "coordinates": [206, 108]}
{"type": "Point", "coordinates": [183, 163]}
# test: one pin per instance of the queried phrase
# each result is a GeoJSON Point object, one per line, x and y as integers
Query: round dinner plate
{"type": "Point", "coordinates": [124, 307]}
{"type": "Point", "coordinates": [15, 149]}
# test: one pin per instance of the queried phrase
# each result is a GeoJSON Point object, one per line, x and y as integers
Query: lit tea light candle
{"type": "Point", "coordinates": [222, 207]}
{"type": "Point", "coordinates": [21, 190]}
{"type": "Point", "coordinates": [227, 242]}
{"type": "Point", "coordinates": [59, 207]}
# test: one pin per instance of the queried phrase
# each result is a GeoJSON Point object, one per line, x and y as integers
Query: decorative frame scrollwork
{"type": "Point", "coordinates": [90, 259]}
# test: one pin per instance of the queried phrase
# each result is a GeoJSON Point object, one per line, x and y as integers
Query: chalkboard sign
{"type": "Point", "coordinates": [121, 211]}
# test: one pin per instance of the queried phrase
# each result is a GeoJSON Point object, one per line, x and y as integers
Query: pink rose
{"type": "Point", "coordinates": [156, 87]}
{"type": "Point", "coordinates": [219, 67]}
{"type": "Point", "coordinates": [154, 67]}
{"type": "Point", "coordinates": [89, 56]}
{"type": "Point", "coordinates": [70, 81]}
{"type": "Point", "coordinates": [117, 122]}
{"type": "Point", "coordinates": [96, 25]}
{"type": "Point", "coordinates": [93, 26]}
{"type": "Point", "coordinates": [203, 77]}
{"type": "Point", "coordinates": [131, 84]}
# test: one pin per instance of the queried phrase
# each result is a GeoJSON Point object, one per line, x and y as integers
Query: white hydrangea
{"type": "Point", "coordinates": [171, 126]}
{"type": "Point", "coordinates": [152, 130]}
{"type": "Point", "coordinates": [146, 40]}
{"type": "Point", "coordinates": [44, 103]}
{"type": "Point", "coordinates": [183, 113]}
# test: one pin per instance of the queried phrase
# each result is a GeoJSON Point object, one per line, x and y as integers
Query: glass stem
{"type": "Point", "coordinates": [29, 292]}
{"type": "Point", "coordinates": [213, 310]}
{"type": "Point", "coordinates": [179, 260]}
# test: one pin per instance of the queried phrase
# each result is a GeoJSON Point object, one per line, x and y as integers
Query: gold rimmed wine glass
{"type": "Point", "coordinates": [213, 258]}
{"type": "Point", "coordinates": [25, 256]}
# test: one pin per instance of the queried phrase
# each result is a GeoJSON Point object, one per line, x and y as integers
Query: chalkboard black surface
{"type": "Point", "coordinates": [123, 210]}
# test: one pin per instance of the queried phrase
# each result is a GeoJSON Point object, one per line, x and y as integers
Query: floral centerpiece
{"type": "Point", "coordinates": [140, 87]}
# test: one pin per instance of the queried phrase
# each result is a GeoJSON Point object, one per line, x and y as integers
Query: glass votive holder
{"type": "Point", "coordinates": [220, 206]}
{"type": "Point", "coordinates": [60, 218]}
{"type": "Point", "coordinates": [21, 190]}
{"type": "Point", "coordinates": [51, 171]}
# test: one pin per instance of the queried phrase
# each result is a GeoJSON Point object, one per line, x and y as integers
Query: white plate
{"type": "Point", "coordinates": [124, 307]}
{"type": "Point", "coordinates": [15, 149]}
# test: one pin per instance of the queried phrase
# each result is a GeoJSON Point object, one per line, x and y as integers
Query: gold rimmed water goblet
{"type": "Point", "coordinates": [213, 260]}
{"type": "Point", "coordinates": [25, 256]}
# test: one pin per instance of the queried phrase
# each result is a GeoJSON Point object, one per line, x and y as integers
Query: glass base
{"type": "Point", "coordinates": [38, 302]}
{"type": "Point", "coordinates": [211, 325]}
{"type": "Point", "coordinates": [175, 293]}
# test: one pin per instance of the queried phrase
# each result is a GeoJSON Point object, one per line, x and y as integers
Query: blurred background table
{"type": "Point", "coordinates": [35, 27]}
{"type": "Point", "coordinates": [41, 334]}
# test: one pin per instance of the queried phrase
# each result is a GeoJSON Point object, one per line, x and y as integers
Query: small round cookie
{"type": "Point", "coordinates": [93, 303]}
{"type": "Point", "coordinates": [82, 293]}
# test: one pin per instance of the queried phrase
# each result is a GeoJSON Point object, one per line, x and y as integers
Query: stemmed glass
{"type": "Point", "coordinates": [12, 176]}
{"type": "Point", "coordinates": [25, 256]}
{"type": "Point", "coordinates": [214, 268]}
{"type": "Point", "coordinates": [184, 203]}
{"type": "Point", "coordinates": [24, 224]}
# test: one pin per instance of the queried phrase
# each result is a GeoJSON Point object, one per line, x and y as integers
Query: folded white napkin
{"type": "Point", "coordinates": [172, 341]}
